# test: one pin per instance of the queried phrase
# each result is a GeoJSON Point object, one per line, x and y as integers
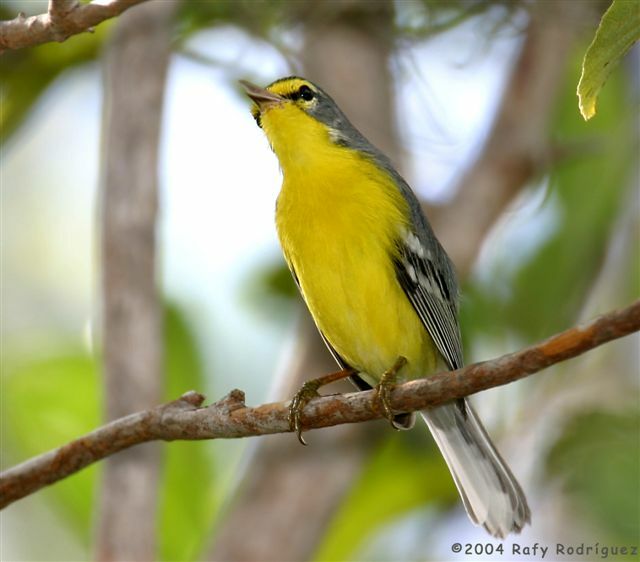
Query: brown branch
{"type": "Point", "coordinates": [63, 19]}
{"type": "Point", "coordinates": [185, 419]}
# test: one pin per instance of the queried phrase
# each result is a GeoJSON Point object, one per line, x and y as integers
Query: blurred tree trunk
{"type": "Point", "coordinates": [134, 79]}
{"type": "Point", "coordinates": [290, 492]}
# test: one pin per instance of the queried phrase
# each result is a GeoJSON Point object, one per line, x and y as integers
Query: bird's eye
{"type": "Point", "coordinates": [306, 93]}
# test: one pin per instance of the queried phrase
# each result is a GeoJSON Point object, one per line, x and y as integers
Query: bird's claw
{"type": "Point", "coordinates": [307, 392]}
{"type": "Point", "coordinates": [385, 386]}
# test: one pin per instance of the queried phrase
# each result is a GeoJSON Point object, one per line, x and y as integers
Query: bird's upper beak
{"type": "Point", "coordinates": [262, 98]}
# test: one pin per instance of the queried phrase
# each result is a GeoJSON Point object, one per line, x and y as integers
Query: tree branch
{"type": "Point", "coordinates": [63, 19]}
{"type": "Point", "coordinates": [228, 418]}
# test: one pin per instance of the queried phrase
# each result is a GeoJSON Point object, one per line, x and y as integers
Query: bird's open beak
{"type": "Point", "coordinates": [262, 98]}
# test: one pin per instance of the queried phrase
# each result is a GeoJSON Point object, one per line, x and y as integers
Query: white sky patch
{"type": "Point", "coordinates": [237, 53]}
{"type": "Point", "coordinates": [529, 221]}
{"type": "Point", "coordinates": [220, 183]}
{"type": "Point", "coordinates": [48, 177]}
{"type": "Point", "coordinates": [447, 102]}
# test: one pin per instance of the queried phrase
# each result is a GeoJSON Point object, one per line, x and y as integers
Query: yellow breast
{"type": "Point", "coordinates": [338, 218]}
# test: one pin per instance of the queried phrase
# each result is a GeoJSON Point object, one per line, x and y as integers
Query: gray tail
{"type": "Point", "coordinates": [490, 493]}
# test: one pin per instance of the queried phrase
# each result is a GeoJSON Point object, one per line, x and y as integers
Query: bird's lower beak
{"type": "Point", "coordinates": [262, 98]}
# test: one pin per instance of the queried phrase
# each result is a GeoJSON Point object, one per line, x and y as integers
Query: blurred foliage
{"type": "Point", "coordinates": [47, 403]}
{"type": "Point", "coordinates": [270, 289]}
{"type": "Point", "coordinates": [589, 193]}
{"type": "Point", "coordinates": [259, 17]}
{"type": "Point", "coordinates": [598, 459]}
{"type": "Point", "coordinates": [426, 18]}
{"type": "Point", "coordinates": [588, 187]}
{"type": "Point", "coordinates": [619, 29]}
{"type": "Point", "coordinates": [413, 19]}
{"type": "Point", "coordinates": [401, 475]}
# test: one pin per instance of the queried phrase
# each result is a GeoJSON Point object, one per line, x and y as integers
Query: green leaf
{"type": "Point", "coordinates": [400, 476]}
{"type": "Point", "coordinates": [619, 29]}
{"type": "Point", "coordinates": [187, 494]}
{"type": "Point", "coordinates": [598, 460]}
{"type": "Point", "coordinates": [48, 403]}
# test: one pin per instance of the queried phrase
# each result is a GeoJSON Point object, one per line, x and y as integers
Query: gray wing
{"type": "Point", "coordinates": [426, 275]}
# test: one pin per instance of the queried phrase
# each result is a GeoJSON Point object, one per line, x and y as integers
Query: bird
{"type": "Point", "coordinates": [380, 287]}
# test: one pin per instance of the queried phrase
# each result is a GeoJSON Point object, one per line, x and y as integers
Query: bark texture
{"type": "Point", "coordinates": [63, 19]}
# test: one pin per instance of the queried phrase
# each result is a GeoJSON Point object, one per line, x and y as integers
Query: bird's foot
{"type": "Point", "coordinates": [385, 386]}
{"type": "Point", "coordinates": [308, 391]}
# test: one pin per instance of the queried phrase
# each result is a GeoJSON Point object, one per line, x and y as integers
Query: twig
{"type": "Point", "coordinates": [229, 418]}
{"type": "Point", "coordinates": [63, 19]}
